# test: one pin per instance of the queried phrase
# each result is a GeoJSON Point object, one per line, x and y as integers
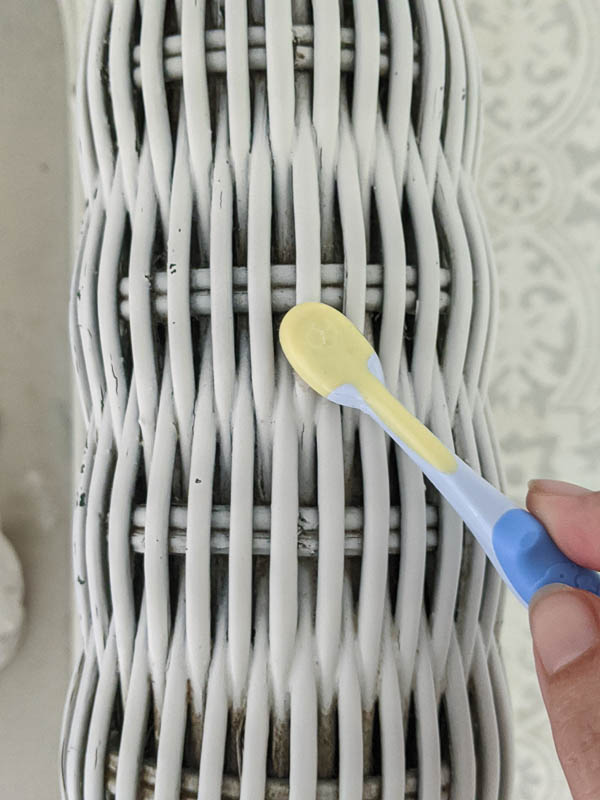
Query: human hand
{"type": "Point", "coordinates": [565, 625]}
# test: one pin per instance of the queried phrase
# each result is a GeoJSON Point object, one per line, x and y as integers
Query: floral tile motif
{"type": "Point", "coordinates": [536, 56]}
{"type": "Point", "coordinates": [539, 182]}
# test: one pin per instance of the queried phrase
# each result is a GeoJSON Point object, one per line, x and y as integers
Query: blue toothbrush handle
{"type": "Point", "coordinates": [516, 542]}
{"type": "Point", "coordinates": [530, 559]}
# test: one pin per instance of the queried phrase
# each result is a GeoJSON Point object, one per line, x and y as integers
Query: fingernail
{"type": "Point", "coordinates": [564, 626]}
{"type": "Point", "coordinates": [561, 488]}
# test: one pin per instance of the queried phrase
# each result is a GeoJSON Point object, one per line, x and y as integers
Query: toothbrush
{"type": "Point", "coordinates": [330, 354]}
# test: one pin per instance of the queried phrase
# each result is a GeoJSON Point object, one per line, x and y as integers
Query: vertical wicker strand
{"type": "Point", "coordinates": [140, 304]}
{"type": "Point", "coordinates": [95, 92]}
{"type": "Point", "coordinates": [99, 724]}
{"type": "Point", "coordinates": [156, 561]}
{"type": "Point", "coordinates": [280, 90]}
{"type": "Point", "coordinates": [325, 111]}
{"type": "Point", "coordinates": [137, 706]}
{"type": "Point", "coordinates": [170, 747]}
{"type": "Point", "coordinates": [178, 297]}
{"type": "Point", "coordinates": [283, 566]}
{"type": "Point", "coordinates": [120, 567]}
{"type": "Point", "coordinates": [115, 374]}
{"type": "Point", "coordinates": [197, 559]}
{"type": "Point", "coordinates": [240, 542]}
{"type": "Point", "coordinates": [197, 111]}
{"type": "Point", "coordinates": [122, 96]}
{"type": "Point", "coordinates": [303, 699]}
{"type": "Point", "coordinates": [221, 294]}
{"type": "Point", "coordinates": [158, 128]}
{"type": "Point", "coordinates": [400, 84]}
{"type": "Point", "coordinates": [393, 759]}
{"type": "Point", "coordinates": [355, 258]}
{"type": "Point", "coordinates": [260, 314]}
{"type": "Point", "coordinates": [350, 716]}
{"type": "Point", "coordinates": [365, 93]}
{"type": "Point", "coordinates": [256, 729]}
{"type": "Point", "coordinates": [210, 776]}
{"type": "Point", "coordinates": [238, 98]}
{"type": "Point", "coordinates": [330, 573]}
{"type": "Point", "coordinates": [307, 230]}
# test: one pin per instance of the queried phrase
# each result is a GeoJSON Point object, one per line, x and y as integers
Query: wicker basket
{"type": "Point", "coordinates": [273, 603]}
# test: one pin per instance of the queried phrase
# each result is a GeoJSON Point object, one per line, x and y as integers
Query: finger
{"type": "Point", "coordinates": [565, 625]}
{"type": "Point", "coordinates": [571, 515]}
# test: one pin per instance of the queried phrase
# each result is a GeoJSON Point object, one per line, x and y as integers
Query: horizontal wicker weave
{"type": "Point", "coordinates": [272, 601]}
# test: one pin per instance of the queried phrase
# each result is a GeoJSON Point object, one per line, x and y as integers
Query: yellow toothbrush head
{"type": "Point", "coordinates": [336, 360]}
{"type": "Point", "coordinates": [324, 347]}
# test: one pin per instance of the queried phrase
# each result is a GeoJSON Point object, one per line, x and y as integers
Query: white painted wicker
{"type": "Point", "coordinates": [272, 602]}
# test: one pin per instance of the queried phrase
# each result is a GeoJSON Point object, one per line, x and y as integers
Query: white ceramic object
{"type": "Point", "coordinates": [269, 601]}
{"type": "Point", "coordinates": [12, 601]}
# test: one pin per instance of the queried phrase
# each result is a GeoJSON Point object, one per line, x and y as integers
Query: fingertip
{"type": "Point", "coordinates": [564, 625]}
{"type": "Point", "coordinates": [547, 486]}
{"type": "Point", "coordinates": [571, 516]}
{"type": "Point", "coordinates": [546, 591]}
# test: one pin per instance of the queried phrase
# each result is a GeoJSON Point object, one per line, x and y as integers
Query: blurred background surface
{"type": "Point", "coordinates": [35, 391]}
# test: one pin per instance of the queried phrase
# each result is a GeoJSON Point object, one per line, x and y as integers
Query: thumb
{"type": "Point", "coordinates": [565, 625]}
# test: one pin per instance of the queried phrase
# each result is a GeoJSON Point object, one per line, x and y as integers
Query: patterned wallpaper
{"type": "Point", "coordinates": [539, 183]}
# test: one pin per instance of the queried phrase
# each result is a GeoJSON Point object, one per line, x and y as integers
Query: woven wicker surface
{"type": "Point", "coordinates": [271, 601]}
